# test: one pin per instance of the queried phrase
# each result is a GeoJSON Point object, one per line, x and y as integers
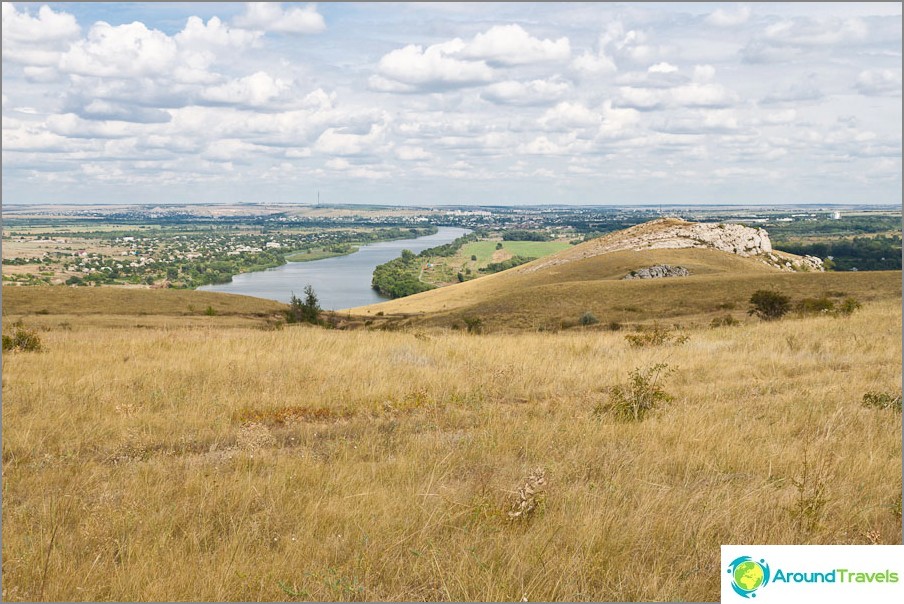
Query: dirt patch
{"type": "Point", "coordinates": [501, 255]}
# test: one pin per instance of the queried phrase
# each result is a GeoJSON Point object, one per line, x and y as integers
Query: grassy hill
{"type": "Point", "coordinates": [180, 456]}
{"type": "Point", "coordinates": [181, 445]}
{"type": "Point", "coordinates": [720, 283]}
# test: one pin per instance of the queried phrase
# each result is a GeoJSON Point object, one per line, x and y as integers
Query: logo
{"type": "Point", "coordinates": [748, 575]}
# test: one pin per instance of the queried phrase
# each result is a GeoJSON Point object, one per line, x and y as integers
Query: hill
{"type": "Point", "coordinates": [727, 263]}
{"type": "Point", "coordinates": [180, 456]}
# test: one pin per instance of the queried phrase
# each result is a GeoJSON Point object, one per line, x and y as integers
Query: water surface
{"type": "Point", "coordinates": [340, 282]}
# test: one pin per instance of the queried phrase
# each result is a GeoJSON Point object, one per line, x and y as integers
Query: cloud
{"type": "Point", "coordinates": [412, 67]}
{"type": "Point", "coordinates": [337, 141]}
{"type": "Point", "coordinates": [535, 92]}
{"type": "Point", "coordinates": [214, 34]}
{"type": "Point", "coordinates": [130, 50]}
{"type": "Point", "coordinates": [665, 88]}
{"type": "Point", "coordinates": [879, 82]}
{"type": "Point", "coordinates": [270, 16]}
{"type": "Point", "coordinates": [799, 92]}
{"type": "Point", "coordinates": [409, 153]}
{"type": "Point", "coordinates": [791, 39]}
{"type": "Point", "coordinates": [36, 40]}
{"type": "Point", "coordinates": [662, 68]}
{"type": "Point", "coordinates": [256, 90]}
{"type": "Point", "coordinates": [726, 18]}
{"type": "Point", "coordinates": [457, 63]}
{"type": "Point", "coordinates": [99, 109]}
{"type": "Point", "coordinates": [567, 116]}
{"type": "Point", "coordinates": [512, 45]}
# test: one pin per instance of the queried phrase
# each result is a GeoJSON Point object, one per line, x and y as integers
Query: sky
{"type": "Point", "coordinates": [458, 103]}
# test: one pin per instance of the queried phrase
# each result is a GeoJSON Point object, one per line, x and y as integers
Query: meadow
{"type": "Point", "coordinates": [176, 455]}
{"type": "Point", "coordinates": [484, 250]}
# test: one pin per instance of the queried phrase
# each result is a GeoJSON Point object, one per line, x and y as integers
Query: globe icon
{"type": "Point", "coordinates": [748, 575]}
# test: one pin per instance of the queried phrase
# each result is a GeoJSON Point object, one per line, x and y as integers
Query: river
{"type": "Point", "coordinates": [340, 282]}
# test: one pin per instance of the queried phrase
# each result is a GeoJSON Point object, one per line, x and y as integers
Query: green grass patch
{"type": "Point", "coordinates": [319, 254]}
{"type": "Point", "coordinates": [484, 250]}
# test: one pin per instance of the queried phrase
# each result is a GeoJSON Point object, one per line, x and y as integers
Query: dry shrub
{"type": "Point", "coordinates": [641, 395]}
{"type": "Point", "coordinates": [656, 335]}
{"type": "Point", "coordinates": [281, 415]}
{"type": "Point", "coordinates": [530, 497]}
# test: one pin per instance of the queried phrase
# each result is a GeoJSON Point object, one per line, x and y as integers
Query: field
{"type": "Point", "coordinates": [172, 455]}
{"type": "Point", "coordinates": [442, 271]}
{"type": "Point", "coordinates": [485, 250]}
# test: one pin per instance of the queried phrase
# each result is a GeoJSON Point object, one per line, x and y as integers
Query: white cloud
{"type": "Point", "coordinates": [566, 116]}
{"type": "Point", "coordinates": [270, 16]}
{"type": "Point", "coordinates": [791, 39]}
{"type": "Point", "coordinates": [256, 90]}
{"type": "Point", "coordinates": [414, 66]}
{"type": "Point", "coordinates": [214, 34]}
{"type": "Point", "coordinates": [879, 82]}
{"type": "Point", "coordinates": [728, 18]}
{"type": "Point", "coordinates": [129, 50]}
{"type": "Point", "coordinates": [662, 68]}
{"type": "Point", "coordinates": [338, 142]}
{"type": "Point", "coordinates": [512, 45]}
{"type": "Point", "coordinates": [36, 40]}
{"type": "Point", "coordinates": [409, 153]}
{"type": "Point", "coordinates": [535, 92]}
{"type": "Point", "coordinates": [594, 64]}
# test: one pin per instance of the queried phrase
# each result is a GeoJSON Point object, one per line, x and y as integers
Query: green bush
{"type": "Point", "coordinates": [474, 324]}
{"type": "Point", "coordinates": [210, 311]}
{"type": "Point", "coordinates": [815, 306]}
{"type": "Point", "coordinates": [23, 340]}
{"type": "Point", "coordinates": [769, 305]}
{"type": "Point", "coordinates": [641, 395]}
{"type": "Point", "coordinates": [588, 318]}
{"type": "Point", "coordinates": [882, 400]}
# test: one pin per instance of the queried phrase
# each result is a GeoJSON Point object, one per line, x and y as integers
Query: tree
{"type": "Point", "coordinates": [304, 311]}
{"type": "Point", "coordinates": [311, 305]}
{"type": "Point", "coordinates": [769, 305]}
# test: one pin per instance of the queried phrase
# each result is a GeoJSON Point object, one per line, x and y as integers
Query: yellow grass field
{"type": "Point", "coordinates": [176, 456]}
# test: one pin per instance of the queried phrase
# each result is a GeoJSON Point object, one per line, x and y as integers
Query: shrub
{"type": "Point", "coordinates": [815, 306]}
{"type": "Point", "coordinates": [882, 400]}
{"type": "Point", "coordinates": [641, 395]}
{"type": "Point", "coordinates": [655, 336]}
{"type": "Point", "coordinates": [499, 246]}
{"type": "Point", "coordinates": [473, 257]}
{"type": "Point", "coordinates": [847, 307]}
{"type": "Point", "coordinates": [474, 324]}
{"type": "Point", "coordinates": [614, 326]}
{"type": "Point", "coordinates": [588, 318]}
{"type": "Point", "coordinates": [210, 311]}
{"type": "Point", "coordinates": [23, 340]}
{"type": "Point", "coordinates": [769, 305]}
{"type": "Point", "coordinates": [724, 321]}
{"type": "Point", "coordinates": [530, 497]}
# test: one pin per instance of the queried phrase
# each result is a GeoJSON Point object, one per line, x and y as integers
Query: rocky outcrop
{"type": "Point", "coordinates": [658, 271]}
{"type": "Point", "coordinates": [674, 233]}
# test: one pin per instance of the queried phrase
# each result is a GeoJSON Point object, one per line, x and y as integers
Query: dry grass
{"type": "Point", "coordinates": [130, 301]}
{"type": "Point", "coordinates": [557, 296]}
{"type": "Point", "coordinates": [188, 461]}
